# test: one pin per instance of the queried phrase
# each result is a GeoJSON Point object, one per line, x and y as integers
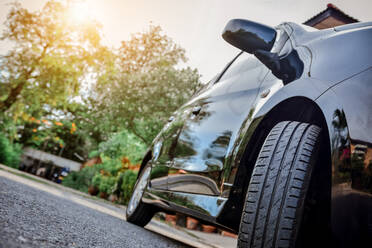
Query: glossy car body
{"type": "Point", "coordinates": [203, 158]}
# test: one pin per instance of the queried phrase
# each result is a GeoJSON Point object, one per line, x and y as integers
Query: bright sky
{"type": "Point", "coordinates": [196, 25]}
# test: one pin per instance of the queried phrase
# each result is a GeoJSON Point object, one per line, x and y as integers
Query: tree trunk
{"type": "Point", "coordinates": [12, 97]}
{"type": "Point", "coordinates": [14, 92]}
{"type": "Point", "coordinates": [133, 129]}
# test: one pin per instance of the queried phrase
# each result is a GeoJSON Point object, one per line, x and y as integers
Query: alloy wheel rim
{"type": "Point", "coordinates": [138, 191]}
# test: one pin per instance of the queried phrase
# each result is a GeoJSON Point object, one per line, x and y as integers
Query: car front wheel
{"type": "Point", "coordinates": [275, 199]}
{"type": "Point", "coordinates": [138, 212]}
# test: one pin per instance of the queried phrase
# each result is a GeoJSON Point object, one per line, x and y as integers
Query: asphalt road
{"type": "Point", "coordinates": [33, 218]}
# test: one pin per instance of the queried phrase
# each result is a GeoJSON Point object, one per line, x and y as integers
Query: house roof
{"type": "Point", "coordinates": [330, 17]}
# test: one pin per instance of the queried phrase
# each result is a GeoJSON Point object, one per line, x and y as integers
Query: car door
{"type": "Point", "coordinates": [213, 119]}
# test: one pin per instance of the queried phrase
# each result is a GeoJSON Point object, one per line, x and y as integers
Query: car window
{"type": "Point", "coordinates": [243, 63]}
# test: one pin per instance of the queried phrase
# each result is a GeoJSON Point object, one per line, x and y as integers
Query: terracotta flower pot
{"type": "Point", "coordinates": [229, 234]}
{"type": "Point", "coordinates": [172, 219]}
{"type": "Point", "coordinates": [103, 195]}
{"type": "Point", "coordinates": [208, 228]}
{"type": "Point", "coordinates": [113, 198]}
{"type": "Point", "coordinates": [191, 223]}
{"type": "Point", "coordinates": [93, 190]}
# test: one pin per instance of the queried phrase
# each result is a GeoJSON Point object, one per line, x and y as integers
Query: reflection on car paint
{"type": "Point", "coordinates": [198, 153]}
{"type": "Point", "coordinates": [202, 206]}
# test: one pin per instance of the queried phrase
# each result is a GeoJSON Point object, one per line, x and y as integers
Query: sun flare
{"type": "Point", "coordinates": [81, 12]}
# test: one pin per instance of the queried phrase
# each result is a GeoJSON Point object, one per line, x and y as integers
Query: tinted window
{"type": "Point", "coordinates": [243, 63]}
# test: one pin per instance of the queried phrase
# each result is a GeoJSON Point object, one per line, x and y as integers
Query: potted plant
{"type": "Point", "coordinates": [191, 223]}
{"type": "Point", "coordinates": [94, 187]}
{"type": "Point", "coordinates": [104, 187]}
{"type": "Point", "coordinates": [208, 228]}
{"type": "Point", "coordinates": [170, 218]}
{"type": "Point", "coordinates": [113, 198]}
{"type": "Point", "coordinates": [92, 190]}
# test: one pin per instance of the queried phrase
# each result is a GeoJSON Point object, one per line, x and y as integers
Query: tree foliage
{"type": "Point", "coordinates": [65, 93]}
{"type": "Point", "coordinates": [125, 95]}
{"type": "Point", "coordinates": [148, 85]}
{"type": "Point", "coordinates": [149, 50]}
{"type": "Point", "coordinates": [50, 61]}
{"type": "Point", "coordinates": [49, 58]}
{"type": "Point", "coordinates": [123, 144]}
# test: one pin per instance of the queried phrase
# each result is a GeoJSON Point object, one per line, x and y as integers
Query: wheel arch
{"type": "Point", "coordinates": [298, 108]}
{"type": "Point", "coordinates": [146, 158]}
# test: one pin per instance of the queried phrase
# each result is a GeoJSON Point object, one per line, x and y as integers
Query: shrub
{"type": "Point", "coordinates": [129, 179]}
{"type": "Point", "coordinates": [109, 177]}
{"type": "Point", "coordinates": [109, 166]}
{"type": "Point", "coordinates": [80, 180]}
{"type": "Point", "coordinates": [96, 180]}
{"type": "Point", "coordinates": [123, 144]}
{"type": "Point", "coordinates": [106, 184]}
{"type": "Point", "coordinates": [93, 154]}
{"type": "Point", "coordinates": [10, 154]}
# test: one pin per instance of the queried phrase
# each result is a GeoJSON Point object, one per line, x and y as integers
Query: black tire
{"type": "Point", "coordinates": [274, 204]}
{"type": "Point", "coordinates": [143, 213]}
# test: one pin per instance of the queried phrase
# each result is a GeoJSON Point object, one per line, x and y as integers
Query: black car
{"type": "Point", "coordinates": [278, 146]}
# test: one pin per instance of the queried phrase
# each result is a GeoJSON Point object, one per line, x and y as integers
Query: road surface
{"type": "Point", "coordinates": [30, 217]}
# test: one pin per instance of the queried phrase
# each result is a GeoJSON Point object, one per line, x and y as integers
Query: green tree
{"type": "Point", "coordinates": [50, 61]}
{"type": "Point", "coordinates": [123, 144]}
{"type": "Point", "coordinates": [50, 58]}
{"type": "Point", "coordinates": [147, 86]}
{"type": "Point", "coordinates": [134, 89]}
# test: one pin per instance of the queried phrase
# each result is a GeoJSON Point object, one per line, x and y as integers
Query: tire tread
{"type": "Point", "coordinates": [278, 186]}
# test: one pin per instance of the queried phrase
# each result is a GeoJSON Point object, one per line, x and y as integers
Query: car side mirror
{"type": "Point", "coordinates": [258, 39]}
{"type": "Point", "coordinates": [249, 36]}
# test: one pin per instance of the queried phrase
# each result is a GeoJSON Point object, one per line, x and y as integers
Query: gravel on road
{"type": "Point", "coordinates": [33, 218]}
